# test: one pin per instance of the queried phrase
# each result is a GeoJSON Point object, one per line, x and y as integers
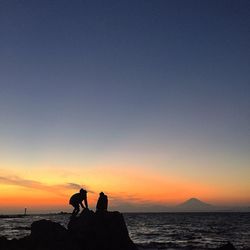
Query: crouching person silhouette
{"type": "Point", "coordinates": [77, 199]}
{"type": "Point", "coordinates": [102, 203]}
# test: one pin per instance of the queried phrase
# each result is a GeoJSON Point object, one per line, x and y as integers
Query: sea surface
{"type": "Point", "coordinates": [161, 230]}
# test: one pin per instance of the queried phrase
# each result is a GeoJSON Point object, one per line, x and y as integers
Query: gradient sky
{"type": "Point", "coordinates": [148, 101]}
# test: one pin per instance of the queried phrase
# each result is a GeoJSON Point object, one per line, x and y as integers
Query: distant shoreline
{"type": "Point", "coordinates": [5, 216]}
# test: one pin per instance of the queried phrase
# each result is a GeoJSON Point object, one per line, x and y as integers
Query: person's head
{"type": "Point", "coordinates": [83, 191]}
{"type": "Point", "coordinates": [101, 194]}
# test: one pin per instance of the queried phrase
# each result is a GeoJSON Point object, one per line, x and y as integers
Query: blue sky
{"type": "Point", "coordinates": [96, 79]}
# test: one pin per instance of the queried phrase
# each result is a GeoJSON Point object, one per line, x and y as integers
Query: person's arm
{"type": "Point", "coordinates": [81, 204]}
{"type": "Point", "coordinates": [86, 203]}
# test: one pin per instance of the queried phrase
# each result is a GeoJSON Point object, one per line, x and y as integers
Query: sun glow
{"type": "Point", "coordinates": [132, 185]}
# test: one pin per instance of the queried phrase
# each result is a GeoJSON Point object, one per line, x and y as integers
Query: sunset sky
{"type": "Point", "coordinates": [147, 101]}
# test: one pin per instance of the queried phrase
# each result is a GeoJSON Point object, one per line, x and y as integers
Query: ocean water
{"type": "Point", "coordinates": [161, 230]}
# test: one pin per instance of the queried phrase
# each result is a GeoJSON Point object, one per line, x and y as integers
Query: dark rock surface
{"type": "Point", "coordinates": [46, 230]}
{"type": "Point", "coordinates": [89, 231]}
{"type": "Point", "coordinates": [228, 246]}
{"type": "Point", "coordinates": [101, 230]}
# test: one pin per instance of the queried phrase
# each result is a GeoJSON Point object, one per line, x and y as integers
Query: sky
{"type": "Point", "coordinates": [147, 101]}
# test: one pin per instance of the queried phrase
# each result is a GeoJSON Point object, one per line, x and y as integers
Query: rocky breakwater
{"type": "Point", "coordinates": [89, 231]}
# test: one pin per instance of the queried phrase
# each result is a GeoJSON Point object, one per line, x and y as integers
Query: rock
{"type": "Point", "coordinates": [101, 231]}
{"type": "Point", "coordinates": [3, 242]}
{"type": "Point", "coordinates": [21, 244]}
{"type": "Point", "coordinates": [46, 230]}
{"type": "Point", "coordinates": [89, 231]}
{"type": "Point", "coordinates": [46, 234]}
{"type": "Point", "coordinates": [228, 246]}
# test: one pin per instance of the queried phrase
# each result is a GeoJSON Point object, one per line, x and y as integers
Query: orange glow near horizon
{"type": "Point", "coordinates": [129, 185]}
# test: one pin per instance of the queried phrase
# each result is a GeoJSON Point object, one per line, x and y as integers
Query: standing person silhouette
{"type": "Point", "coordinates": [77, 199]}
{"type": "Point", "coordinates": [102, 203]}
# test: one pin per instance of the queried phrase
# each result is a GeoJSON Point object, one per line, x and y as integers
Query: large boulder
{"type": "Point", "coordinates": [47, 235]}
{"type": "Point", "coordinates": [228, 246]}
{"type": "Point", "coordinates": [3, 242]}
{"type": "Point", "coordinates": [46, 230]}
{"type": "Point", "coordinates": [101, 231]}
{"type": "Point", "coordinates": [14, 244]}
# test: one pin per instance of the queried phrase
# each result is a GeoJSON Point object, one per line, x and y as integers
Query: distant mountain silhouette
{"type": "Point", "coordinates": [190, 205]}
{"type": "Point", "coordinates": [194, 205]}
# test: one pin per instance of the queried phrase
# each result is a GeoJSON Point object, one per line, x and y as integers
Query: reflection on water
{"type": "Point", "coordinates": [161, 230]}
{"type": "Point", "coordinates": [20, 227]}
{"type": "Point", "coordinates": [199, 230]}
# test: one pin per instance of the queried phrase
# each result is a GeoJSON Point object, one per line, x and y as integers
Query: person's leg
{"type": "Point", "coordinates": [76, 209]}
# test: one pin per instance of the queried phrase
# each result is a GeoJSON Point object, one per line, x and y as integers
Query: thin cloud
{"type": "Point", "coordinates": [27, 183]}
{"type": "Point", "coordinates": [17, 181]}
{"type": "Point", "coordinates": [72, 185]}
{"type": "Point", "coordinates": [121, 198]}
